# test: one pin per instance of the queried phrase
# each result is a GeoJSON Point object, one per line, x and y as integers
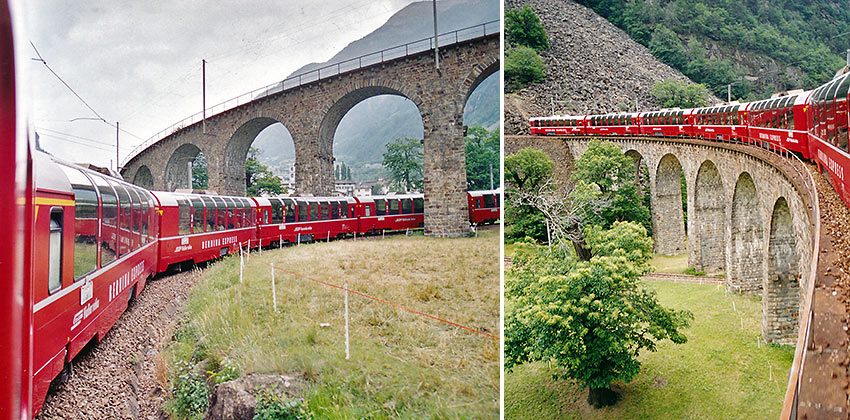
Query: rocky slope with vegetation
{"type": "Point", "coordinates": [591, 67]}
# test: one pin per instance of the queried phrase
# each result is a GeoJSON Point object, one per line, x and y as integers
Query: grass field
{"type": "Point", "coordinates": [720, 373]}
{"type": "Point", "coordinates": [402, 365]}
{"type": "Point", "coordinates": [669, 263]}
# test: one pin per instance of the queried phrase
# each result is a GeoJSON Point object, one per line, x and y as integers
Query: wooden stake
{"type": "Point", "coordinates": [274, 294]}
{"type": "Point", "coordinates": [241, 263]}
{"type": "Point", "coordinates": [347, 354]}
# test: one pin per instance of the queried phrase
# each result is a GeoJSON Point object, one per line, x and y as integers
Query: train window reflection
{"type": "Point", "coordinates": [54, 276]}
{"type": "Point", "coordinates": [85, 222]}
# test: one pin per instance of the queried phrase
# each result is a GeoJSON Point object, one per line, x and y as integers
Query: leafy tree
{"type": "Point", "coordinates": [259, 179]}
{"type": "Point", "coordinates": [200, 174]}
{"type": "Point", "coordinates": [606, 166]}
{"type": "Point", "coordinates": [590, 318]}
{"type": "Point", "coordinates": [666, 46]}
{"type": "Point", "coordinates": [525, 172]}
{"type": "Point", "coordinates": [482, 151]}
{"type": "Point", "coordinates": [671, 93]}
{"type": "Point", "coordinates": [522, 66]}
{"type": "Point", "coordinates": [523, 27]}
{"type": "Point", "coordinates": [404, 160]}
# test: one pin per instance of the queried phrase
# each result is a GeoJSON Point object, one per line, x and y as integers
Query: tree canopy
{"type": "Point", "coordinates": [674, 94]}
{"type": "Point", "coordinates": [525, 172]}
{"type": "Point", "coordinates": [523, 27]}
{"type": "Point", "coordinates": [404, 160]}
{"type": "Point", "coordinates": [259, 180]}
{"type": "Point", "coordinates": [482, 153]}
{"type": "Point", "coordinates": [591, 318]}
{"type": "Point", "coordinates": [522, 66]}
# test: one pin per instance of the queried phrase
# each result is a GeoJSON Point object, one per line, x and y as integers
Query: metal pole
{"type": "Point", "coordinates": [116, 148]}
{"type": "Point", "coordinates": [436, 42]}
{"type": "Point", "coordinates": [204, 88]}
{"type": "Point", "coordinates": [491, 176]}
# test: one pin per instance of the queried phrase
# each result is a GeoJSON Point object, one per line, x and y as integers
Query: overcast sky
{"type": "Point", "coordinates": [139, 62]}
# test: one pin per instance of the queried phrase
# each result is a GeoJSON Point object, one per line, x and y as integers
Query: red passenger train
{"type": "Point", "coordinates": [813, 124]}
{"type": "Point", "coordinates": [97, 240]}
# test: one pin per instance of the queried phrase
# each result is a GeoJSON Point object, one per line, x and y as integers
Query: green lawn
{"type": "Point", "coordinates": [720, 373]}
{"type": "Point", "coordinates": [670, 263]}
{"type": "Point", "coordinates": [402, 365]}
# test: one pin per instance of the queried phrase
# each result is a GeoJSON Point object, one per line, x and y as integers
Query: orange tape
{"type": "Point", "coordinates": [388, 303]}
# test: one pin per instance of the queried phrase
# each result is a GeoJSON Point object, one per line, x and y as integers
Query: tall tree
{"type": "Point", "coordinates": [259, 180]}
{"type": "Point", "coordinates": [527, 172]}
{"type": "Point", "coordinates": [591, 318]}
{"type": "Point", "coordinates": [523, 27]}
{"type": "Point", "coordinates": [404, 160]}
{"type": "Point", "coordinates": [482, 153]}
{"type": "Point", "coordinates": [200, 176]}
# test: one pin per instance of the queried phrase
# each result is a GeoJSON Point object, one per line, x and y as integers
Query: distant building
{"type": "Point", "coordinates": [344, 187]}
{"type": "Point", "coordinates": [364, 188]}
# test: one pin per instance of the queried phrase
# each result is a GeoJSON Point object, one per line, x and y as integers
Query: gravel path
{"type": "Point", "coordinates": [123, 377]}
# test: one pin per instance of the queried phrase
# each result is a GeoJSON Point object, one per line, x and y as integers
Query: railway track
{"type": "Point", "coordinates": [123, 376]}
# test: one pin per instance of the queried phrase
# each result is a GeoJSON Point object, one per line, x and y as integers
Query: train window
{"type": "Point", "coordinates": [221, 213]}
{"type": "Point", "coordinates": [303, 211]}
{"type": "Point", "coordinates": [85, 222]}
{"type": "Point", "coordinates": [314, 210]}
{"type": "Point", "coordinates": [145, 216]}
{"type": "Point", "coordinates": [124, 217]}
{"type": "Point", "coordinates": [137, 216]}
{"type": "Point", "coordinates": [277, 210]}
{"type": "Point", "coordinates": [841, 92]}
{"type": "Point", "coordinates": [108, 221]}
{"type": "Point", "coordinates": [289, 210]}
{"type": "Point", "coordinates": [324, 212]}
{"type": "Point", "coordinates": [380, 207]}
{"type": "Point", "coordinates": [418, 205]}
{"type": "Point", "coordinates": [197, 215]}
{"type": "Point", "coordinates": [393, 205]}
{"type": "Point", "coordinates": [406, 206]}
{"type": "Point", "coordinates": [248, 215]}
{"type": "Point", "coordinates": [489, 202]}
{"type": "Point", "coordinates": [184, 225]}
{"type": "Point", "coordinates": [209, 204]}
{"type": "Point", "coordinates": [243, 213]}
{"type": "Point", "coordinates": [54, 265]}
{"type": "Point", "coordinates": [231, 212]}
{"type": "Point", "coordinates": [334, 209]}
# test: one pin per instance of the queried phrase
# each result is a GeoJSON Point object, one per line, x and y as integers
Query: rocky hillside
{"type": "Point", "coordinates": [592, 67]}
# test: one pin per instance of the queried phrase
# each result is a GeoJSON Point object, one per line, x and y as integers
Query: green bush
{"type": "Point", "coordinates": [671, 94]}
{"type": "Point", "coordinates": [271, 406]}
{"type": "Point", "coordinates": [191, 395]}
{"type": "Point", "coordinates": [523, 27]}
{"type": "Point", "coordinates": [522, 66]}
{"type": "Point", "coordinates": [693, 272]}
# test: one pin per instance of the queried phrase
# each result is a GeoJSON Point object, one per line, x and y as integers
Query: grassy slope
{"type": "Point", "coordinates": [670, 263]}
{"type": "Point", "coordinates": [402, 365]}
{"type": "Point", "coordinates": [720, 373]}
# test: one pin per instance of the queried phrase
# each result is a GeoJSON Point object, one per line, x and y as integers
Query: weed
{"type": "Point", "coordinates": [227, 370]}
{"type": "Point", "coordinates": [272, 406]}
{"type": "Point", "coordinates": [190, 393]}
{"type": "Point", "coordinates": [693, 272]}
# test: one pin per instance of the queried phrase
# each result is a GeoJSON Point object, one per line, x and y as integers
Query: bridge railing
{"type": "Point", "coordinates": [331, 70]}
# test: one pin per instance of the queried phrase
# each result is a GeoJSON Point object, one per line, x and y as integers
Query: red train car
{"type": "Point", "coordinates": [668, 123]}
{"type": "Point", "coordinates": [722, 123]}
{"type": "Point", "coordinates": [558, 125]}
{"type": "Point", "coordinates": [390, 212]}
{"type": "Point", "coordinates": [94, 247]}
{"type": "Point", "coordinates": [780, 121]}
{"type": "Point", "coordinates": [828, 132]}
{"type": "Point", "coordinates": [300, 219]}
{"type": "Point", "coordinates": [613, 124]}
{"type": "Point", "coordinates": [484, 206]}
{"type": "Point", "coordinates": [197, 228]}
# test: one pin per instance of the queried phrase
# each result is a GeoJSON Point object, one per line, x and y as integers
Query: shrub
{"type": "Point", "coordinates": [671, 93]}
{"type": "Point", "coordinates": [523, 27]}
{"type": "Point", "coordinates": [191, 395]}
{"type": "Point", "coordinates": [522, 66]}
{"type": "Point", "coordinates": [271, 406]}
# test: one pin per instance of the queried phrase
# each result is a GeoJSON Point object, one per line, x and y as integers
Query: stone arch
{"type": "Point", "coordinates": [746, 254]}
{"type": "Point", "coordinates": [668, 219]}
{"type": "Point", "coordinates": [478, 74]}
{"type": "Point", "coordinates": [782, 284]}
{"type": "Point", "coordinates": [236, 152]}
{"type": "Point", "coordinates": [143, 177]}
{"type": "Point", "coordinates": [177, 167]}
{"type": "Point", "coordinates": [641, 181]}
{"type": "Point", "coordinates": [330, 123]}
{"type": "Point", "coordinates": [709, 220]}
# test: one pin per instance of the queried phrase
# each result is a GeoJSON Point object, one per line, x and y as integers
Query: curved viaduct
{"type": "Point", "coordinates": [746, 218]}
{"type": "Point", "coordinates": [312, 111]}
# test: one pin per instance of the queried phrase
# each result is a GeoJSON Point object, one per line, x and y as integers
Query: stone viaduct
{"type": "Point", "coordinates": [746, 217]}
{"type": "Point", "coordinates": [312, 111]}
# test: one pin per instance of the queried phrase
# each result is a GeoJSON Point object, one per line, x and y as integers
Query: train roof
{"type": "Point", "coordinates": [480, 193]}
